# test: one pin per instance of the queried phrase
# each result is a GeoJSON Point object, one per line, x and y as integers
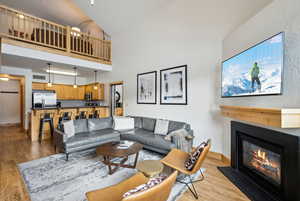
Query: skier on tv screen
{"type": "Point", "coordinates": [254, 72]}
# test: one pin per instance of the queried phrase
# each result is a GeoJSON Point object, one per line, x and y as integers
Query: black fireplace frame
{"type": "Point", "coordinates": [290, 158]}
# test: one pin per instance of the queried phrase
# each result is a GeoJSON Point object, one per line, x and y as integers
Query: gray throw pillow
{"type": "Point", "coordinates": [138, 122]}
{"type": "Point", "coordinates": [148, 124]}
{"type": "Point", "coordinates": [69, 128]}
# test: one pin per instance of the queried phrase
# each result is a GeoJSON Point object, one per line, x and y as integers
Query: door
{"type": "Point", "coordinates": [117, 102]}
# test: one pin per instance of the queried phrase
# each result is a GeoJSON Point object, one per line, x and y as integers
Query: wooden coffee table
{"type": "Point", "coordinates": [113, 150]}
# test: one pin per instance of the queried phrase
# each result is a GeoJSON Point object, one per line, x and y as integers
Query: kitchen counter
{"type": "Point", "coordinates": [56, 112]}
{"type": "Point", "coordinates": [68, 107]}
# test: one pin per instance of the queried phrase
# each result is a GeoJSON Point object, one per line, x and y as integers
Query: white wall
{"type": "Point", "coordinates": [10, 102]}
{"type": "Point", "coordinates": [28, 86]}
{"type": "Point", "coordinates": [178, 34]}
{"type": "Point", "coordinates": [281, 15]}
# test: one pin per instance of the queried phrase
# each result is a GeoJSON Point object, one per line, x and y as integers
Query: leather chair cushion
{"type": "Point", "coordinates": [148, 138]}
{"type": "Point", "coordinates": [80, 126]}
{"type": "Point", "coordinates": [98, 124]}
{"type": "Point", "coordinates": [82, 139]}
{"type": "Point", "coordinates": [148, 124]}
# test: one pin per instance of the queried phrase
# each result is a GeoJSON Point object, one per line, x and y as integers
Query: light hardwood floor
{"type": "Point", "coordinates": [16, 148]}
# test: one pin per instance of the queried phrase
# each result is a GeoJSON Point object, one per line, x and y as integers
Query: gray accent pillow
{"type": "Point", "coordinates": [80, 126]}
{"type": "Point", "coordinates": [149, 124]}
{"type": "Point", "coordinates": [99, 124]}
{"type": "Point", "coordinates": [138, 122]}
{"type": "Point", "coordinates": [161, 127]}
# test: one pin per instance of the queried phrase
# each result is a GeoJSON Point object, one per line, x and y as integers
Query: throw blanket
{"type": "Point", "coordinates": [182, 140]}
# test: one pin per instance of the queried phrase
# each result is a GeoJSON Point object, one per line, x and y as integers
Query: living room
{"type": "Point", "coordinates": [149, 41]}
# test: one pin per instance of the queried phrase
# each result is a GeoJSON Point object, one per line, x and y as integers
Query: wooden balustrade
{"type": "Point", "coordinates": [27, 28]}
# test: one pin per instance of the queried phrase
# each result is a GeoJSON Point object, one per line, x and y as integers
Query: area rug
{"type": "Point", "coordinates": [54, 179]}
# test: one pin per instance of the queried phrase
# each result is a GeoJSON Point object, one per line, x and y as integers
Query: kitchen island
{"type": "Point", "coordinates": [56, 112]}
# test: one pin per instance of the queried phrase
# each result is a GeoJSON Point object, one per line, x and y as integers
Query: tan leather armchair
{"type": "Point", "coordinates": [159, 192]}
{"type": "Point", "coordinates": [176, 160]}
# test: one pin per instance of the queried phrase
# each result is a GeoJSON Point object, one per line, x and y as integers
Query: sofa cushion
{"type": "Point", "coordinates": [148, 124]}
{"type": "Point", "coordinates": [148, 138]}
{"type": "Point", "coordinates": [123, 123]}
{"type": "Point", "coordinates": [98, 124]}
{"type": "Point", "coordinates": [82, 139]}
{"type": "Point", "coordinates": [138, 122]}
{"type": "Point", "coordinates": [80, 126]}
{"type": "Point", "coordinates": [161, 127]}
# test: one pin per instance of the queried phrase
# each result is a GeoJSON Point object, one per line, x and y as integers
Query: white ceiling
{"type": "Point", "coordinates": [117, 16]}
{"type": "Point", "coordinates": [60, 11]}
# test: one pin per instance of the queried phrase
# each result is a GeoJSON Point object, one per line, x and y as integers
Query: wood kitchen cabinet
{"type": "Point", "coordinates": [68, 92]}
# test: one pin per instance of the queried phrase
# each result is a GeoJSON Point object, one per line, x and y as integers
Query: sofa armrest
{"type": "Point", "coordinates": [59, 138]}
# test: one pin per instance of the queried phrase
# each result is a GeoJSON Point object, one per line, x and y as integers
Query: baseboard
{"type": "Point", "coordinates": [218, 156]}
{"type": "Point", "coordinates": [10, 125]}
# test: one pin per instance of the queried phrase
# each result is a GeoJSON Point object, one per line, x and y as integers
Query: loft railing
{"type": "Point", "coordinates": [24, 27]}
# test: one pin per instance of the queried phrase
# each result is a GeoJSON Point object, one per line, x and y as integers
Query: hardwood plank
{"type": "Point", "coordinates": [215, 187]}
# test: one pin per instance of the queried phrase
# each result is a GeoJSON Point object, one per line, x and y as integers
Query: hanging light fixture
{"type": "Point", "coordinates": [95, 85]}
{"type": "Point", "coordinates": [92, 2]}
{"type": "Point", "coordinates": [49, 75]}
{"type": "Point", "coordinates": [75, 78]}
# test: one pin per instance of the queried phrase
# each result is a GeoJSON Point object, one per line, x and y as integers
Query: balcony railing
{"type": "Point", "coordinates": [27, 28]}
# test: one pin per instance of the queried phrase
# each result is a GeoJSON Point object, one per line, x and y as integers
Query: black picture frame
{"type": "Point", "coordinates": [282, 69]}
{"type": "Point", "coordinates": [137, 88]}
{"type": "Point", "coordinates": [184, 67]}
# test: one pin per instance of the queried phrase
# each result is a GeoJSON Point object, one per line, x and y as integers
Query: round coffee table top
{"type": "Point", "coordinates": [150, 168]}
{"type": "Point", "coordinates": [119, 149]}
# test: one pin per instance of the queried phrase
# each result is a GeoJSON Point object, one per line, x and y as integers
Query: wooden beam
{"type": "Point", "coordinates": [275, 117]}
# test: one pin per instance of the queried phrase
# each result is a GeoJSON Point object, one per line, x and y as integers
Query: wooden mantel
{"type": "Point", "coordinates": [275, 117]}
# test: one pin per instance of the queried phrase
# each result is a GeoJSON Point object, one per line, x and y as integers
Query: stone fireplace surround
{"type": "Point", "coordinates": [288, 146]}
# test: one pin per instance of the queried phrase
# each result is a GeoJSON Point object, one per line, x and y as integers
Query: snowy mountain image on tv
{"type": "Point", "coordinates": [256, 71]}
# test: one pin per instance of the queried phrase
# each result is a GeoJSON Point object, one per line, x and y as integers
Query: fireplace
{"type": "Point", "coordinates": [269, 159]}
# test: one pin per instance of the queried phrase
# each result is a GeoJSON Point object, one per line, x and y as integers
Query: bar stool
{"type": "Point", "coordinates": [64, 116]}
{"type": "Point", "coordinates": [46, 118]}
{"type": "Point", "coordinates": [95, 115]}
{"type": "Point", "coordinates": [81, 115]}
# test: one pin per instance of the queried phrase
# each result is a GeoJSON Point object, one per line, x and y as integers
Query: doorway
{"type": "Point", "coordinates": [12, 101]}
{"type": "Point", "coordinates": [117, 99]}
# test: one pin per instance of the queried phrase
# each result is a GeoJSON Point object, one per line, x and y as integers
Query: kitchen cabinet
{"type": "Point", "coordinates": [68, 92]}
{"type": "Point", "coordinates": [38, 86]}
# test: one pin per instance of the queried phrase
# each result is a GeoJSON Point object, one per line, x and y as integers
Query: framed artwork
{"type": "Point", "coordinates": [147, 88]}
{"type": "Point", "coordinates": [173, 86]}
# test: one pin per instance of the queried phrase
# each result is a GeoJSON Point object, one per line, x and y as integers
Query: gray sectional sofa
{"type": "Point", "coordinates": [90, 133]}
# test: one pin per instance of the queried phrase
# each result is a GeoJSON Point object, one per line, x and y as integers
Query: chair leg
{"type": "Point", "coordinates": [67, 156]}
{"type": "Point", "coordinates": [191, 186]}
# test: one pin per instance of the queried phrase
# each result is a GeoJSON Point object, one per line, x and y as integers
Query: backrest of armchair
{"type": "Point", "coordinates": [202, 157]}
{"type": "Point", "coordinates": [159, 192]}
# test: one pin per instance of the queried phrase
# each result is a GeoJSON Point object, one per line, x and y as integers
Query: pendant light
{"type": "Point", "coordinates": [95, 85]}
{"type": "Point", "coordinates": [92, 2]}
{"type": "Point", "coordinates": [49, 75]}
{"type": "Point", "coordinates": [75, 78]}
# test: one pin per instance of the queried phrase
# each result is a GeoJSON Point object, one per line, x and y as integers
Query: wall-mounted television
{"type": "Point", "coordinates": [256, 71]}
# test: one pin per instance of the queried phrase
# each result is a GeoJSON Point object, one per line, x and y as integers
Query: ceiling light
{"type": "Point", "coordinates": [49, 75]}
{"type": "Point", "coordinates": [95, 86]}
{"type": "Point", "coordinates": [4, 78]}
{"type": "Point", "coordinates": [75, 31]}
{"type": "Point", "coordinates": [75, 78]}
{"type": "Point", "coordinates": [61, 72]}
{"type": "Point", "coordinates": [92, 2]}
{"type": "Point", "coordinates": [21, 16]}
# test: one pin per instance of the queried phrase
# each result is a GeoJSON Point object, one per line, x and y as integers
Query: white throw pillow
{"type": "Point", "coordinates": [123, 123]}
{"type": "Point", "coordinates": [161, 127]}
{"type": "Point", "coordinates": [69, 128]}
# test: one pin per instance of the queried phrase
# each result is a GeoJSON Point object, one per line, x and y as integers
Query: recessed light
{"type": "Point", "coordinates": [61, 72]}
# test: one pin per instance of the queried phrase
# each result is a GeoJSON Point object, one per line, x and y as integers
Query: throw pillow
{"type": "Point", "coordinates": [192, 159]}
{"type": "Point", "coordinates": [151, 183]}
{"type": "Point", "coordinates": [123, 123]}
{"type": "Point", "coordinates": [69, 128]}
{"type": "Point", "coordinates": [161, 127]}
